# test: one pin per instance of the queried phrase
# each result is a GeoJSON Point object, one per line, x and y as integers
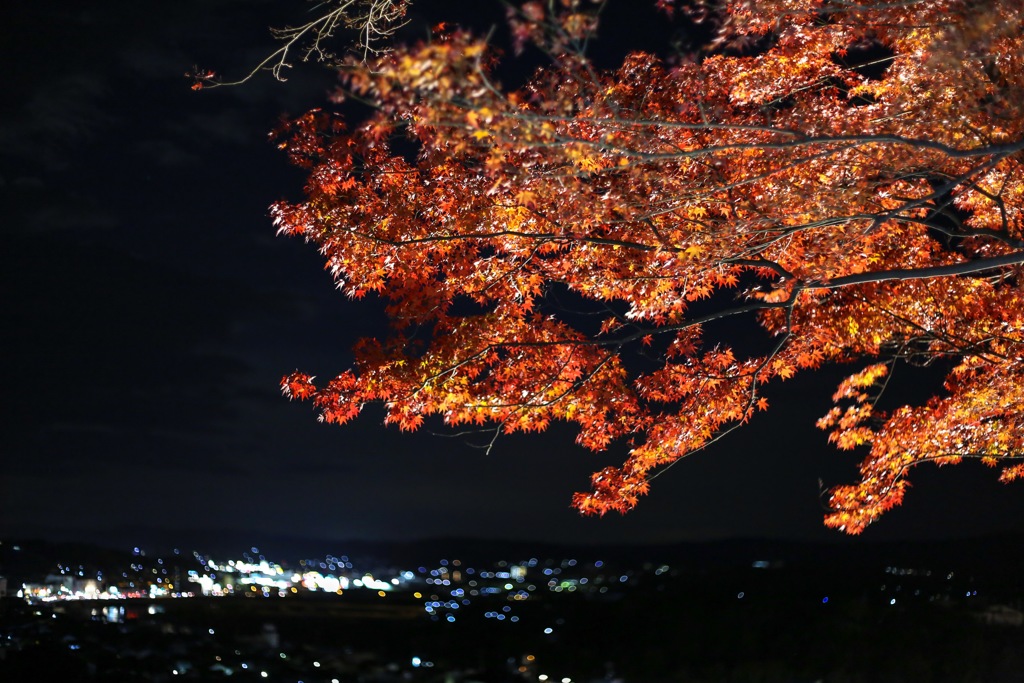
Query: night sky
{"type": "Point", "coordinates": [149, 313]}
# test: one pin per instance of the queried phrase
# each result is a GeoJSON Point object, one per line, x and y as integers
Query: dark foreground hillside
{"type": "Point", "coordinates": [659, 636]}
{"type": "Point", "coordinates": [701, 613]}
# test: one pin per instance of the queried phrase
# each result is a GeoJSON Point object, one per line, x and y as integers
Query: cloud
{"type": "Point", "coordinates": [55, 118]}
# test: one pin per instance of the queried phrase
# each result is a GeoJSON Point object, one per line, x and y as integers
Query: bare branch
{"type": "Point", "coordinates": [373, 21]}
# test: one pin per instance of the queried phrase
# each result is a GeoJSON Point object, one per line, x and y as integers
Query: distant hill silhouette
{"type": "Point", "coordinates": [998, 557]}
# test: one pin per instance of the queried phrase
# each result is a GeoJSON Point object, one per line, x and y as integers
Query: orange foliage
{"type": "Point", "coordinates": [861, 216]}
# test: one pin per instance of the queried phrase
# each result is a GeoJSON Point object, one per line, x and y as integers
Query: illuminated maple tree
{"type": "Point", "coordinates": [846, 175]}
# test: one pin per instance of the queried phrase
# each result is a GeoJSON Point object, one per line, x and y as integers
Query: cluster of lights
{"type": "Point", "coordinates": [268, 577]}
{"type": "Point", "coordinates": [501, 616]}
{"type": "Point", "coordinates": [255, 575]}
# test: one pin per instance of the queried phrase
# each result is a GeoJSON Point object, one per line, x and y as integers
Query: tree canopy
{"type": "Point", "coordinates": [848, 176]}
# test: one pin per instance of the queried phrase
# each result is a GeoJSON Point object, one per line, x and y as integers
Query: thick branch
{"type": "Point", "coordinates": [952, 270]}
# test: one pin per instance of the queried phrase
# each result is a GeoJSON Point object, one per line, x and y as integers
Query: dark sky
{"type": "Point", "coordinates": [149, 313]}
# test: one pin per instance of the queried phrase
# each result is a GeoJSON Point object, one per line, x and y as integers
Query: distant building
{"type": "Point", "coordinates": [63, 586]}
{"type": "Point", "coordinates": [767, 564]}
